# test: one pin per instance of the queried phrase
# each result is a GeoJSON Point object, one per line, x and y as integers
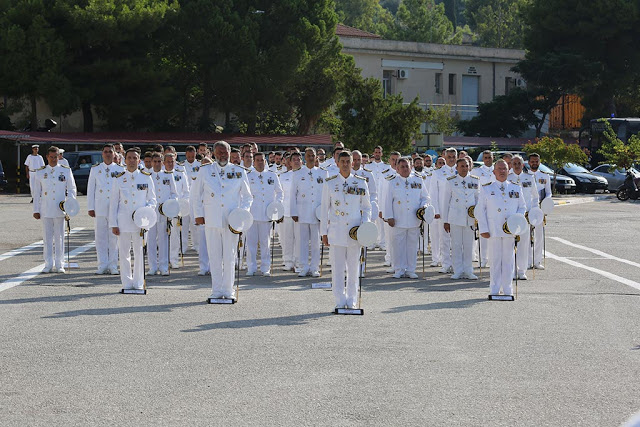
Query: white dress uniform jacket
{"type": "Point", "coordinates": [306, 193]}
{"type": "Point", "coordinates": [485, 173]}
{"type": "Point", "coordinates": [497, 201]}
{"type": "Point", "coordinates": [373, 189]}
{"type": "Point", "coordinates": [543, 183]}
{"type": "Point", "coordinates": [345, 204]}
{"type": "Point", "coordinates": [101, 178]}
{"type": "Point", "coordinates": [130, 191]}
{"type": "Point", "coordinates": [404, 196]}
{"type": "Point", "coordinates": [461, 194]}
{"type": "Point", "coordinates": [265, 188]}
{"type": "Point", "coordinates": [52, 186]}
{"type": "Point", "coordinates": [441, 241]}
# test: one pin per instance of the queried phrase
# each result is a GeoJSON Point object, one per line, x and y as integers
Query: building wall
{"type": "Point", "coordinates": [490, 66]}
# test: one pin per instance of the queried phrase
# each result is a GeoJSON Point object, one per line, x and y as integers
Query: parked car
{"type": "Point", "coordinates": [586, 182]}
{"type": "Point", "coordinates": [564, 183]}
{"type": "Point", "coordinates": [80, 163]}
{"type": "Point", "coordinates": [3, 180]}
{"type": "Point", "coordinates": [614, 177]}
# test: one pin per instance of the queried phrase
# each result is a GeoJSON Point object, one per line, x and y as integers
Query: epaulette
{"type": "Point", "coordinates": [474, 177]}
{"type": "Point", "coordinates": [296, 170]}
{"type": "Point", "coordinates": [331, 177]}
{"type": "Point", "coordinates": [545, 172]}
{"type": "Point", "coordinates": [488, 183]}
{"type": "Point", "coordinates": [361, 177]}
{"type": "Point", "coordinates": [39, 169]}
{"type": "Point", "coordinates": [122, 173]}
{"type": "Point", "coordinates": [65, 166]}
{"type": "Point", "coordinates": [94, 165]}
{"type": "Point", "coordinates": [246, 169]}
{"type": "Point", "coordinates": [385, 171]}
{"type": "Point", "coordinates": [390, 177]}
{"type": "Point", "coordinates": [143, 172]}
{"type": "Point", "coordinates": [366, 170]}
{"type": "Point", "coordinates": [181, 163]}
{"type": "Point", "coordinates": [322, 167]}
{"type": "Point", "coordinates": [168, 171]}
{"type": "Point", "coordinates": [452, 177]}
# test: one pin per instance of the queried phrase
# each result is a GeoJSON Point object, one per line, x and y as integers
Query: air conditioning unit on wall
{"type": "Point", "coordinates": [402, 74]}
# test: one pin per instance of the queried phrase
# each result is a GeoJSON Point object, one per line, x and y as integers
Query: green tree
{"type": "Point", "coordinates": [111, 58]}
{"type": "Point", "coordinates": [425, 21]}
{"type": "Point", "coordinates": [367, 15]}
{"type": "Point", "coordinates": [499, 23]}
{"type": "Point", "coordinates": [601, 35]}
{"type": "Point", "coordinates": [616, 152]}
{"type": "Point", "coordinates": [556, 153]}
{"type": "Point", "coordinates": [32, 55]}
{"type": "Point", "coordinates": [506, 116]}
{"type": "Point", "coordinates": [441, 120]}
{"type": "Point", "coordinates": [368, 119]}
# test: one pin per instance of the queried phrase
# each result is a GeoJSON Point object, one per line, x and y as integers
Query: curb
{"type": "Point", "coordinates": [580, 200]}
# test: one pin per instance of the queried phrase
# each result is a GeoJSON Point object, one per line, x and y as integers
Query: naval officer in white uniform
{"type": "Point", "coordinates": [498, 200]}
{"type": "Point", "coordinates": [543, 183]}
{"type": "Point", "coordinates": [132, 189]}
{"type": "Point", "coordinates": [527, 183]}
{"type": "Point", "coordinates": [462, 193]}
{"type": "Point", "coordinates": [345, 204]}
{"type": "Point", "coordinates": [306, 195]}
{"type": "Point", "coordinates": [441, 243]}
{"type": "Point", "coordinates": [220, 188]}
{"type": "Point", "coordinates": [52, 184]}
{"type": "Point", "coordinates": [101, 179]}
{"type": "Point", "coordinates": [406, 192]}
{"type": "Point", "coordinates": [265, 188]}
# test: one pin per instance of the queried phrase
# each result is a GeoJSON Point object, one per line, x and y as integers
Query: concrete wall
{"type": "Point", "coordinates": [491, 66]}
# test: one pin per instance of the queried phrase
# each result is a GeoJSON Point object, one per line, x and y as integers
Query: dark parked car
{"type": "Point", "coordinates": [564, 183]}
{"type": "Point", "coordinates": [80, 163]}
{"type": "Point", "coordinates": [3, 180]}
{"type": "Point", "coordinates": [586, 182]}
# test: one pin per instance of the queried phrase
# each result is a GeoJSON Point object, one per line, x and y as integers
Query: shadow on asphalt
{"type": "Point", "coordinates": [296, 320]}
{"type": "Point", "coordinates": [165, 308]}
{"type": "Point", "coordinates": [436, 306]}
{"type": "Point", "coordinates": [54, 298]}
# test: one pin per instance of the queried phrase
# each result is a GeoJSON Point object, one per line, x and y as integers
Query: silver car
{"type": "Point", "coordinates": [614, 177]}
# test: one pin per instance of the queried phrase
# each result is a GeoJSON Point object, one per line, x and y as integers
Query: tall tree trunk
{"type": "Point", "coordinates": [34, 114]}
{"type": "Point", "coordinates": [227, 120]}
{"type": "Point", "coordinates": [87, 116]}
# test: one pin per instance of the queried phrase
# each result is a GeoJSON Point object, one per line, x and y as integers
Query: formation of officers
{"type": "Point", "coordinates": [323, 198]}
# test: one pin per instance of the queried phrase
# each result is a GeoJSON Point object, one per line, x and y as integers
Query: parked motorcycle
{"type": "Point", "coordinates": [629, 189]}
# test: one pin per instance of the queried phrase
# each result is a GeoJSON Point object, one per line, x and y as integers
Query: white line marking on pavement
{"type": "Point", "coordinates": [34, 245]}
{"type": "Point", "coordinates": [595, 251]}
{"type": "Point", "coordinates": [33, 272]}
{"type": "Point", "coordinates": [606, 274]}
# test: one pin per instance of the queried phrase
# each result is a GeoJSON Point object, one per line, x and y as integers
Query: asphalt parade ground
{"type": "Point", "coordinates": [434, 352]}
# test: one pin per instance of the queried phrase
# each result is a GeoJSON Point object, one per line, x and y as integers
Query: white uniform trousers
{"type": "Point", "coordinates": [502, 264]}
{"type": "Point", "coordinates": [462, 245]}
{"type": "Point", "coordinates": [32, 177]}
{"type": "Point", "coordinates": [445, 247]}
{"type": "Point", "coordinates": [186, 227]}
{"type": "Point", "coordinates": [522, 259]}
{"type": "Point", "coordinates": [538, 238]}
{"type": "Point", "coordinates": [288, 239]}
{"type": "Point", "coordinates": [483, 252]}
{"type": "Point", "coordinates": [436, 229]}
{"type": "Point", "coordinates": [222, 246]}
{"type": "Point", "coordinates": [175, 241]}
{"type": "Point", "coordinates": [405, 245]}
{"type": "Point", "coordinates": [203, 253]}
{"type": "Point", "coordinates": [53, 242]}
{"type": "Point", "coordinates": [106, 244]}
{"type": "Point", "coordinates": [195, 235]}
{"type": "Point", "coordinates": [345, 260]}
{"type": "Point", "coordinates": [382, 241]}
{"type": "Point", "coordinates": [260, 231]}
{"type": "Point", "coordinates": [131, 279]}
{"type": "Point", "coordinates": [309, 236]}
{"type": "Point", "coordinates": [158, 245]}
{"type": "Point", "coordinates": [388, 256]}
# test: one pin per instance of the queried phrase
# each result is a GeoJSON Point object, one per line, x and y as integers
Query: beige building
{"type": "Point", "coordinates": [457, 75]}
